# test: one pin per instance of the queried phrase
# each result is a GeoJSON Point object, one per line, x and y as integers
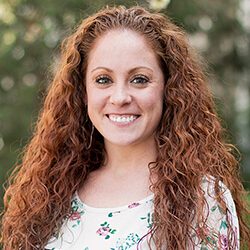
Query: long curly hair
{"type": "Point", "coordinates": [189, 138]}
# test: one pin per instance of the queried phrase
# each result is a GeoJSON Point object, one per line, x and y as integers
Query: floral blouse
{"type": "Point", "coordinates": [128, 227]}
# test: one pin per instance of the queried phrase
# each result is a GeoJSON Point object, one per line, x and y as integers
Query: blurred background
{"type": "Point", "coordinates": [31, 33]}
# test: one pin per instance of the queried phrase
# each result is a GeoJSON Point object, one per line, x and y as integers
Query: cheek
{"type": "Point", "coordinates": [92, 103]}
{"type": "Point", "coordinates": [94, 98]}
{"type": "Point", "coordinates": [154, 101]}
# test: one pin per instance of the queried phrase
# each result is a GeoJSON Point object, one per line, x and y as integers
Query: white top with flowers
{"type": "Point", "coordinates": [128, 227]}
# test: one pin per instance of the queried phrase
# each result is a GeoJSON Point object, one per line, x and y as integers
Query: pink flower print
{"type": "Point", "coordinates": [75, 216]}
{"type": "Point", "coordinates": [202, 231]}
{"type": "Point", "coordinates": [223, 241]}
{"type": "Point", "coordinates": [135, 204]}
{"type": "Point", "coordinates": [103, 231]}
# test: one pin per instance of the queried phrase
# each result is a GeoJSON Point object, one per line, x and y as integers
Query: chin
{"type": "Point", "coordinates": [122, 143]}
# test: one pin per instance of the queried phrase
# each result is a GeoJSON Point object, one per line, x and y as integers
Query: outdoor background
{"type": "Point", "coordinates": [31, 32]}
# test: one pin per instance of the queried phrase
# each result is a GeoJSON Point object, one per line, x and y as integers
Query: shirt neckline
{"type": "Point", "coordinates": [130, 206]}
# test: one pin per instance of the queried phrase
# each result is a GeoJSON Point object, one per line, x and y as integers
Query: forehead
{"type": "Point", "coordinates": [122, 46]}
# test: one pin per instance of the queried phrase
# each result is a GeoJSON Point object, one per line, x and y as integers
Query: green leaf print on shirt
{"type": "Point", "coordinates": [111, 214]}
{"type": "Point", "coordinates": [126, 243]}
{"type": "Point", "coordinates": [213, 239]}
{"type": "Point", "coordinates": [149, 219]}
{"type": "Point", "coordinates": [105, 230]}
{"type": "Point", "coordinates": [217, 207]}
{"type": "Point", "coordinates": [76, 212]}
{"type": "Point", "coordinates": [223, 225]}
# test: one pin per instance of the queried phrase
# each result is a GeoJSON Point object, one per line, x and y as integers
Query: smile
{"type": "Point", "coordinates": [122, 118]}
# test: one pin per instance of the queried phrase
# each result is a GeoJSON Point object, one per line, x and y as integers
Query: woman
{"type": "Point", "coordinates": [128, 151]}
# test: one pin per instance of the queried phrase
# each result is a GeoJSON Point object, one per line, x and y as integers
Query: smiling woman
{"type": "Point", "coordinates": [124, 84]}
{"type": "Point", "coordinates": [128, 150]}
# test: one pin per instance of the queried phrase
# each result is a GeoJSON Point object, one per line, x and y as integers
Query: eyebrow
{"type": "Point", "coordinates": [130, 71]}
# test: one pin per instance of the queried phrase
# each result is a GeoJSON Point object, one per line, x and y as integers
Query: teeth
{"type": "Point", "coordinates": [121, 119]}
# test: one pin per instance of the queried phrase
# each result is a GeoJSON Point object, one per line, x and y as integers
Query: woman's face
{"type": "Point", "coordinates": [124, 85]}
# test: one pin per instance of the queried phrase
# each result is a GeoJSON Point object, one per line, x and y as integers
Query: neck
{"type": "Point", "coordinates": [124, 159]}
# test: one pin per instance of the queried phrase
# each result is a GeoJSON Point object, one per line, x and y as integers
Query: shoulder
{"type": "Point", "coordinates": [209, 186]}
{"type": "Point", "coordinates": [71, 228]}
{"type": "Point", "coordinates": [221, 221]}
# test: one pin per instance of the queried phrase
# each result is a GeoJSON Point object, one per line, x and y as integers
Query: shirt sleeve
{"type": "Point", "coordinates": [217, 223]}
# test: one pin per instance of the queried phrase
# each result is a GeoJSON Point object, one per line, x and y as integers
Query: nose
{"type": "Point", "coordinates": [120, 95]}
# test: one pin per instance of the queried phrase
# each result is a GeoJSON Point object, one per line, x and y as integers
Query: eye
{"type": "Point", "coordinates": [103, 79]}
{"type": "Point", "coordinates": [140, 79]}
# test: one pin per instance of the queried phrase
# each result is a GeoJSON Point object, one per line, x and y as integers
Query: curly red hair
{"type": "Point", "coordinates": [189, 139]}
